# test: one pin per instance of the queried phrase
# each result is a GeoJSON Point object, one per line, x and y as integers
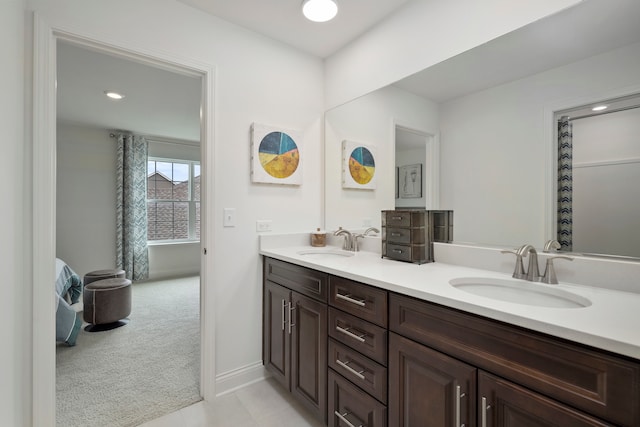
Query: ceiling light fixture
{"type": "Point", "coordinates": [113, 95]}
{"type": "Point", "coordinates": [599, 108]}
{"type": "Point", "coordinates": [319, 10]}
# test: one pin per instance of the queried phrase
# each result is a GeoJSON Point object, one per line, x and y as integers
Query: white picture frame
{"type": "Point", "coordinates": [276, 155]}
{"type": "Point", "coordinates": [410, 181]}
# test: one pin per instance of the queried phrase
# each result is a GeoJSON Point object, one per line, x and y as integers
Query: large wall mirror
{"type": "Point", "coordinates": [488, 117]}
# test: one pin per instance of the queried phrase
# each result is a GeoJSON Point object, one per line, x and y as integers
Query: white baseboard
{"type": "Point", "coordinates": [241, 377]}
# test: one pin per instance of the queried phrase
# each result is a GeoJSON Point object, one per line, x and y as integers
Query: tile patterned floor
{"type": "Point", "coordinates": [263, 404]}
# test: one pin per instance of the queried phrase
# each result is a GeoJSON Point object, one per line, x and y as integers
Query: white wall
{"type": "Point", "coordinates": [606, 173]}
{"type": "Point", "coordinates": [257, 79]}
{"type": "Point", "coordinates": [422, 34]}
{"type": "Point", "coordinates": [85, 198]}
{"type": "Point", "coordinates": [370, 120]}
{"type": "Point", "coordinates": [15, 316]}
{"type": "Point", "coordinates": [86, 210]}
{"type": "Point", "coordinates": [493, 153]}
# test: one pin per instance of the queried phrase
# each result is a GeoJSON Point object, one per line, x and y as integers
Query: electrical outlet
{"type": "Point", "coordinates": [263, 225]}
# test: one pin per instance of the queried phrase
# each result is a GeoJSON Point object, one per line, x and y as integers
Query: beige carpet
{"type": "Point", "coordinates": [137, 372]}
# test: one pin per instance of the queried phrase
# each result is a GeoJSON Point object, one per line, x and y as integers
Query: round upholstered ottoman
{"type": "Point", "coordinates": [94, 276]}
{"type": "Point", "coordinates": [106, 303]}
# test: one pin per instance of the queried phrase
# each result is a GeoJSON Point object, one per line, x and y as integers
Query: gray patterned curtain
{"type": "Point", "coordinates": [132, 254]}
{"type": "Point", "coordinates": [565, 183]}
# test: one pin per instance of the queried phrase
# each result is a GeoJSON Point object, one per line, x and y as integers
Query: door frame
{"type": "Point", "coordinates": [45, 38]}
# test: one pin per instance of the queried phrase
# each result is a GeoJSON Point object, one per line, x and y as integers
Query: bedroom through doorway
{"type": "Point", "coordinates": [161, 104]}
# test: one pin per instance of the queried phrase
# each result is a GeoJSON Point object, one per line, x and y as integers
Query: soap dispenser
{"type": "Point", "coordinates": [318, 238]}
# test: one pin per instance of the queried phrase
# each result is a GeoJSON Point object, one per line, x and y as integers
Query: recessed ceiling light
{"type": "Point", "coordinates": [599, 108]}
{"type": "Point", "coordinates": [319, 10]}
{"type": "Point", "coordinates": [113, 95]}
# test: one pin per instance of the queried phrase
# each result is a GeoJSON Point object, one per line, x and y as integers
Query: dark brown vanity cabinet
{"type": "Point", "coordinates": [523, 378]}
{"type": "Point", "coordinates": [357, 354]}
{"type": "Point", "coordinates": [295, 331]}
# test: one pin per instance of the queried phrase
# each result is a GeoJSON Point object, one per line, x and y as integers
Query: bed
{"type": "Point", "coordinates": [68, 289]}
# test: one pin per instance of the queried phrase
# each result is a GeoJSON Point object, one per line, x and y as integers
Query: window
{"type": "Point", "coordinates": [173, 200]}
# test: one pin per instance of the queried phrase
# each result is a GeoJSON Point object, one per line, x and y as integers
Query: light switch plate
{"type": "Point", "coordinates": [229, 218]}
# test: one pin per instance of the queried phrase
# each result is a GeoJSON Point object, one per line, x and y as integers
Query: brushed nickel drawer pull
{"type": "Point", "coordinates": [284, 308]}
{"type": "Point", "coordinates": [345, 420]}
{"type": "Point", "coordinates": [483, 412]}
{"type": "Point", "coordinates": [398, 251]}
{"type": "Point", "coordinates": [350, 299]}
{"type": "Point", "coordinates": [291, 324]}
{"type": "Point", "coordinates": [396, 218]}
{"type": "Point", "coordinates": [396, 234]}
{"type": "Point", "coordinates": [459, 395]}
{"type": "Point", "coordinates": [346, 366]}
{"type": "Point", "coordinates": [348, 333]}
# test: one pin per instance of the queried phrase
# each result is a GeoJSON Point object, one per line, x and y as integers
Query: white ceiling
{"type": "Point", "coordinates": [163, 103]}
{"type": "Point", "coordinates": [157, 102]}
{"type": "Point", "coordinates": [283, 20]}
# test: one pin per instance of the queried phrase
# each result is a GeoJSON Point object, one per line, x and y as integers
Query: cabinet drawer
{"type": "Point", "coordinates": [348, 405]}
{"type": "Point", "coordinates": [365, 337]}
{"type": "Point", "coordinates": [596, 382]}
{"type": "Point", "coordinates": [364, 301]}
{"type": "Point", "coordinates": [362, 371]}
{"type": "Point", "coordinates": [311, 283]}
{"type": "Point", "coordinates": [405, 235]}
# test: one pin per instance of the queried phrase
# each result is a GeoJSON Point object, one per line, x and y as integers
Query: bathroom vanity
{"type": "Point", "coordinates": [375, 342]}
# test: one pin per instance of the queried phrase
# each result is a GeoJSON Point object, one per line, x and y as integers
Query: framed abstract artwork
{"type": "Point", "coordinates": [410, 181]}
{"type": "Point", "coordinates": [275, 155]}
{"type": "Point", "coordinates": [358, 166]}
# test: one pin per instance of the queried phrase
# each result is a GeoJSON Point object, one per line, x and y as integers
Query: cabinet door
{"type": "Point", "coordinates": [504, 404]}
{"type": "Point", "coordinates": [276, 338]}
{"type": "Point", "coordinates": [428, 388]}
{"type": "Point", "coordinates": [309, 353]}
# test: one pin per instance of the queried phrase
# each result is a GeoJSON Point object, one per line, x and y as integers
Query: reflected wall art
{"type": "Point", "coordinates": [358, 166]}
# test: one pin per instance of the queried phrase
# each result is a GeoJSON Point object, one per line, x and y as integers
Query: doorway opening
{"type": "Point", "coordinates": [416, 169]}
{"type": "Point", "coordinates": [44, 205]}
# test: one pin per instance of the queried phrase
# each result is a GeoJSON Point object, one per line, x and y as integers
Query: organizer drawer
{"type": "Point", "coordinates": [405, 235]}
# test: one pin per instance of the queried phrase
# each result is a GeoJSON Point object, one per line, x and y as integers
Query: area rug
{"type": "Point", "coordinates": [141, 371]}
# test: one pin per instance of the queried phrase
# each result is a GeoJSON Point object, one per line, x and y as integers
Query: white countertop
{"type": "Point", "coordinates": [611, 322]}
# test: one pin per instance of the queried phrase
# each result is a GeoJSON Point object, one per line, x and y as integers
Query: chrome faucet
{"type": "Point", "coordinates": [532, 273]}
{"type": "Point", "coordinates": [551, 246]}
{"type": "Point", "coordinates": [348, 239]}
{"type": "Point", "coordinates": [370, 230]}
{"type": "Point", "coordinates": [355, 247]}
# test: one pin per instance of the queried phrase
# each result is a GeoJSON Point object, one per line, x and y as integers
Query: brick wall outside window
{"type": "Point", "coordinates": [168, 212]}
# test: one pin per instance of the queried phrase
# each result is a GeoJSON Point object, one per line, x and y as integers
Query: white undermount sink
{"type": "Point", "coordinates": [520, 292]}
{"type": "Point", "coordinates": [325, 252]}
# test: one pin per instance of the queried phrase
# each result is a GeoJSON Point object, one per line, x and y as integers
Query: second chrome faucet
{"type": "Point", "coordinates": [532, 273]}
